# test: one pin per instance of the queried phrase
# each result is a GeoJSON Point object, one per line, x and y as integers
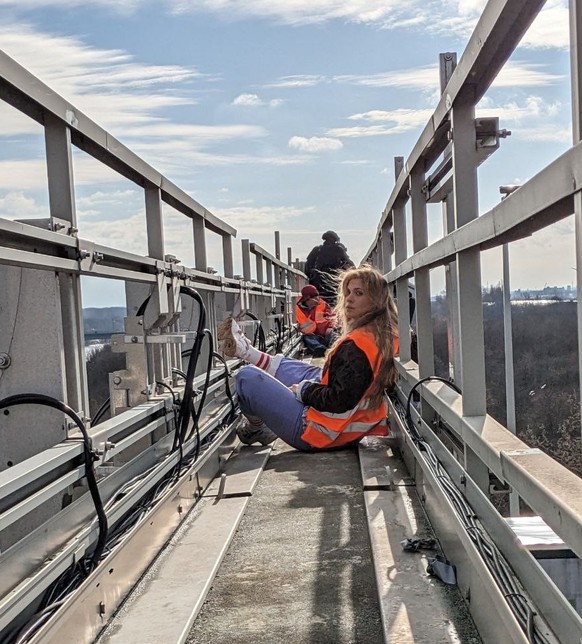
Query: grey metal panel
{"type": "Point", "coordinates": [199, 231]}
{"type": "Point", "coordinates": [473, 577]}
{"type": "Point", "coordinates": [154, 224]}
{"type": "Point", "coordinates": [562, 618]}
{"type": "Point", "coordinates": [422, 277]}
{"type": "Point", "coordinates": [550, 489]}
{"type": "Point", "coordinates": [80, 619]}
{"type": "Point", "coordinates": [25, 232]}
{"type": "Point", "coordinates": [227, 255]}
{"type": "Point", "coordinates": [60, 170]}
{"type": "Point", "coordinates": [39, 261]}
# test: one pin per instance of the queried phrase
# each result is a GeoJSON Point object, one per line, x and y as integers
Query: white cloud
{"type": "Point", "coordinates": [259, 218]}
{"type": "Point", "coordinates": [401, 120]}
{"type": "Point", "coordinates": [453, 18]}
{"type": "Point", "coordinates": [252, 100]}
{"type": "Point", "coordinates": [299, 11]}
{"type": "Point", "coordinates": [299, 80]}
{"type": "Point", "coordinates": [523, 74]}
{"type": "Point", "coordinates": [534, 107]}
{"type": "Point", "coordinates": [426, 78]}
{"type": "Point", "coordinates": [106, 84]}
{"type": "Point", "coordinates": [193, 134]}
{"type": "Point", "coordinates": [546, 134]}
{"type": "Point", "coordinates": [17, 205]}
{"type": "Point", "coordinates": [415, 78]}
{"type": "Point", "coordinates": [247, 100]}
{"type": "Point", "coordinates": [459, 17]}
{"type": "Point", "coordinates": [314, 144]}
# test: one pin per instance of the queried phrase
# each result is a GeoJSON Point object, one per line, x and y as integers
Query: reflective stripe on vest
{"type": "Point", "coordinates": [326, 429]}
{"type": "Point", "coordinates": [306, 323]}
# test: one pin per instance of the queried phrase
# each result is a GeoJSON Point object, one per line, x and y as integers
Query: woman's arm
{"type": "Point", "coordinates": [350, 375]}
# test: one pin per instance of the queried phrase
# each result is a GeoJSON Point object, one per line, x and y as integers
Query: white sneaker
{"type": "Point", "coordinates": [249, 434]}
{"type": "Point", "coordinates": [232, 341]}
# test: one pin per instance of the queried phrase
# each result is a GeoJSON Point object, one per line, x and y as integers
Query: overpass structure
{"type": "Point", "coordinates": [88, 507]}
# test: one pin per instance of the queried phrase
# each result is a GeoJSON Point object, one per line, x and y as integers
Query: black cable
{"type": "Point", "coordinates": [100, 412]}
{"type": "Point", "coordinates": [259, 340]}
{"type": "Point", "coordinates": [163, 385]}
{"type": "Point", "coordinates": [496, 564]}
{"type": "Point", "coordinates": [90, 457]}
{"type": "Point", "coordinates": [408, 416]}
{"type": "Point", "coordinates": [175, 408]}
{"type": "Point", "coordinates": [227, 385]}
{"type": "Point", "coordinates": [197, 413]}
{"type": "Point", "coordinates": [279, 341]}
{"type": "Point", "coordinates": [37, 621]}
{"type": "Point", "coordinates": [187, 399]}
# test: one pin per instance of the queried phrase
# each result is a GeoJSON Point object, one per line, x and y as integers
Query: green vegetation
{"type": "Point", "coordinates": [547, 394]}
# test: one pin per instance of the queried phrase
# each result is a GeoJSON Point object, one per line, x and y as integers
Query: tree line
{"type": "Point", "coordinates": [546, 374]}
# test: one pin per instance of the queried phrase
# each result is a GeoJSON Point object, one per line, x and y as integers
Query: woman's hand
{"type": "Point", "coordinates": [293, 388]}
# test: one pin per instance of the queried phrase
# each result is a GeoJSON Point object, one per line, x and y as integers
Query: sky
{"type": "Point", "coordinates": [276, 115]}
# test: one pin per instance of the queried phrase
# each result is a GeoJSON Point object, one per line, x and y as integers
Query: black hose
{"type": "Point", "coordinates": [100, 412]}
{"type": "Point", "coordinates": [408, 416]}
{"type": "Point", "coordinates": [493, 560]}
{"type": "Point", "coordinates": [259, 339]}
{"type": "Point", "coordinates": [90, 458]}
{"type": "Point", "coordinates": [227, 385]}
{"type": "Point", "coordinates": [187, 399]}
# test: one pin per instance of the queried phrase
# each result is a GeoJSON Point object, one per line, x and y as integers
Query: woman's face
{"type": "Point", "coordinates": [358, 302]}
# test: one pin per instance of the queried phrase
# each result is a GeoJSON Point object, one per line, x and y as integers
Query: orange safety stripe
{"type": "Point", "coordinates": [324, 429]}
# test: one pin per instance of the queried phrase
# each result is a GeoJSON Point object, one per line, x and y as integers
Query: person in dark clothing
{"type": "Point", "coordinates": [324, 264]}
{"type": "Point", "coordinates": [313, 408]}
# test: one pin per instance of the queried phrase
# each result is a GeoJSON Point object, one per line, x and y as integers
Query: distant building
{"type": "Point", "coordinates": [546, 293]}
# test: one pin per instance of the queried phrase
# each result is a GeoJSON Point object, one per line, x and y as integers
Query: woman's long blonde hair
{"type": "Point", "coordinates": [381, 321]}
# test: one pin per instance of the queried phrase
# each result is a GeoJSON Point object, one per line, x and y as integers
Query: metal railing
{"type": "Point", "coordinates": [473, 448]}
{"type": "Point", "coordinates": [150, 469]}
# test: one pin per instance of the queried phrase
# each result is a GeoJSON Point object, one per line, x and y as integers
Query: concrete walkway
{"type": "Point", "coordinates": [299, 568]}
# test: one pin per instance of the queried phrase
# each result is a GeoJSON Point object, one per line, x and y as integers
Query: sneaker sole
{"type": "Point", "coordinates": [227, 342]}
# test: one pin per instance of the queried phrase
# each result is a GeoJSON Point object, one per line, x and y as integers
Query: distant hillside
{"type": "Point", "coordinates": [105, 320]}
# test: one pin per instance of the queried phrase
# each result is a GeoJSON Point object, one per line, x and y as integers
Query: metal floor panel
{"type": "Point", "coordinates": [416, 608]}
{"type": "Point", "coordinates": [163, 605]}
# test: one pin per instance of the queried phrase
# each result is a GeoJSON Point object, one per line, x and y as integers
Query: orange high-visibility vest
{"type": "Point", "coordinates": [306, 323]}
{"type": "Point", "coordinates": [325, 429]}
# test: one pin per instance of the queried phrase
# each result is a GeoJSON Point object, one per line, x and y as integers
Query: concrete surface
{"type": "Point", "coordinates": [299, 568]}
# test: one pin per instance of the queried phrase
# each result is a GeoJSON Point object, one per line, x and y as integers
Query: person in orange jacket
{"type": "Point", "coordinates": [313, 408]}
{"type": "Point", "coordinates": [315, 321]}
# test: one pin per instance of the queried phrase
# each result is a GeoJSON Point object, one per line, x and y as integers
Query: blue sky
{"type": "Point", "coordinates": [275, 115]}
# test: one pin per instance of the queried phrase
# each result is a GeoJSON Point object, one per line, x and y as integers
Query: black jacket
{"type": "Point", "coordinates": [327, 257]}
{"type": "Point", "coordinates": [349, 376]}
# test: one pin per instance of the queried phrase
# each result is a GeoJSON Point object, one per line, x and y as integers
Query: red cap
{"type": "Point", "coordinates": [309, 291]}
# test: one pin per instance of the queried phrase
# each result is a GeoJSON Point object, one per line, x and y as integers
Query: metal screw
{"type": "Point", "coordinates": [134, 339]}
{"type": "Point", "coordinates": [83, 254]}
{"type": "Point", "coordinates": [101, 608]}
{"type": "Point", "coordinates": [97, 257]}
{"type": "Point", "coordinates": [117, 380]}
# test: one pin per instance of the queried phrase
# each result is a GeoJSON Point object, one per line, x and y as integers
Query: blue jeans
{"type": "Point", "coordinates": [314, 342]}
{"type": "Point", "coordinates": [270, 398]}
